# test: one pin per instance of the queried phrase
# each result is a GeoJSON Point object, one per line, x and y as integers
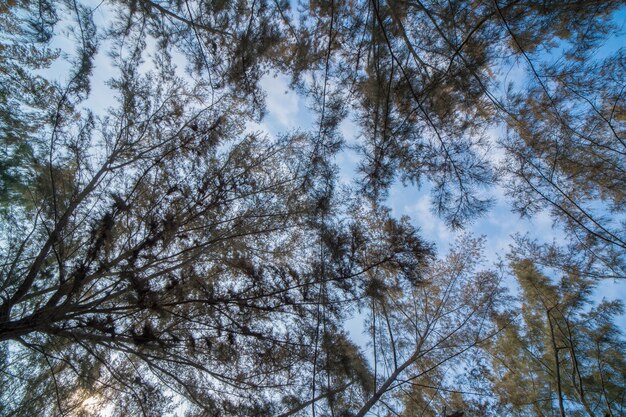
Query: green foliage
{"type": "Point", "coordinates": [563, 350]}
{"type": "Point", "coordinates": [160, 257]}
{"type": "Point", "coordinates": [24, 96]}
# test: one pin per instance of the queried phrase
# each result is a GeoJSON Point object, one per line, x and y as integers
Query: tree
{"type": "Point", "coordinates": [566, 154]}
{"type": "Point", "coordinates": [23, 95]}
{"type": "Point", "coordinates": [565, 356]}
{"type": "Point", "coordinates": [154, 260]}
{"type": "Point", "coordinates": [133, 272]}
{"type": "Point", "coordinates": [127, 262]}
{"type": "Point", "coordinates": [424, 80]}
{"type": "Point", "coordinates": [426, 339]}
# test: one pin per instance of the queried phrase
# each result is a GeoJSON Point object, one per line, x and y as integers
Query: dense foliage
{"type": "Point", "coordinates": [160, 257]}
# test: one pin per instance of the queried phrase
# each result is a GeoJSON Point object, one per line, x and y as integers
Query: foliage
{"type": "Point", "coordinates": [23, 95]}
{"type": "Point", "coordinates": [162, 258]}
{"type": "Point", "coordinates": [565, 355]}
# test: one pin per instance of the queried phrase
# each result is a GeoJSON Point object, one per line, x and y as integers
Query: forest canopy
{"type": "Point", "coordinates": [160, 256]}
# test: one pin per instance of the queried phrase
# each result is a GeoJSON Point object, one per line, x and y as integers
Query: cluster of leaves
{"type": "Point", "coordinates": [164, 259]}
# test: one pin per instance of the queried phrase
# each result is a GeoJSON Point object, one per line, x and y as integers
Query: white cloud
{"type": "Point", "coordinates": [432, 227]}
{"type": "Point", "coordinates": [283, 104]}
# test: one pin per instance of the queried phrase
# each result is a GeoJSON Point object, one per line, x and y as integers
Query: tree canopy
{"type": "Point", "coordinates": [160, 256]}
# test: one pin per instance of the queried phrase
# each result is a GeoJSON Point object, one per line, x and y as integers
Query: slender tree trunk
{"type": "Point", "coordinates": [556, 366]}
{"type": "Point", "coordinates": [606, 399]}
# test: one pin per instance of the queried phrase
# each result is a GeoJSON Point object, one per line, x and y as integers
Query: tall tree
{"type": "Point", "coordinates": [125, 262]}
{"type": "Point", "coordinates": [565, 356]}
{"type": "Point", "coordinates": [424, 81]}
{"type": "Point", "coordinates": [23, 93]}
{"type": "Point", "coordinates": [566, 148]}
{"type": "Point", "coordinates": [424, 334]}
